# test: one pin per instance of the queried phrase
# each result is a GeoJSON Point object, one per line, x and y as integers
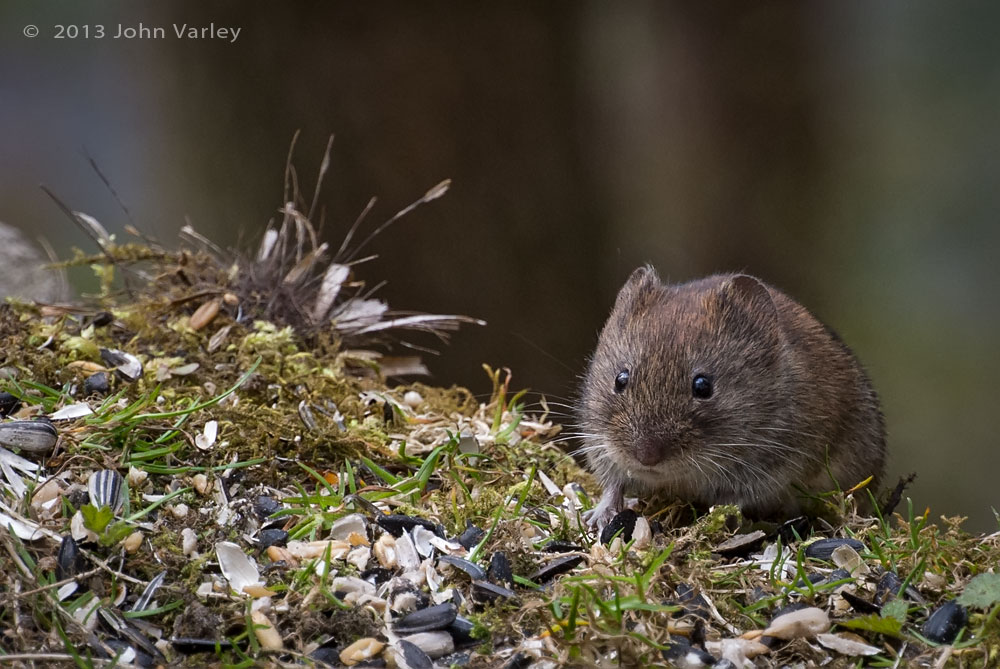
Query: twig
{"type": "Point", "coordinates": [288, 165]}
{"type": "Point", "coordinates": [47, 657]}
{"type": "Point", "coordinates": [107, 182]}
{"type": "Point", "coordinates": [58, 584]}
{"type": "Point", "coordinates": [106, 567]}
{"type": "Point", "coordinates": [323, 167]}
{"type": "Point", "coordinates": [432, 194]}
{"type": "Point", "coordinates": [350, 233]}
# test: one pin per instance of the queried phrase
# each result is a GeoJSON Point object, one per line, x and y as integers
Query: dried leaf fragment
{"type": "Point", "coordinates": [804, 623]}
{"type": "Point", "coordinates": [846, 643]}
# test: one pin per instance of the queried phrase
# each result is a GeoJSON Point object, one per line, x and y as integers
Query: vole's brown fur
{"type": "Point", "coordinates": [789, 403]}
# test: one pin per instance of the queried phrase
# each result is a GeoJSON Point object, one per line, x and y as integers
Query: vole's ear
{"type": "Point", "coordinates": [642, 284]}
{"type": "Point", "coordinates": [743, 294]}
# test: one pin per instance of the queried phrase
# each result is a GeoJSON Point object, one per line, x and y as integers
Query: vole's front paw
{"type": "Point", "coordinates": [609, 506]}
{"type": "Point", "coordinates": [597, 519]}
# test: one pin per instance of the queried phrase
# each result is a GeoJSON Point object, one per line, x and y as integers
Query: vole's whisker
{"type": "Point", "coordinates": [564, 405]}
{"type": "Point", "coordinates": [581, 434]}
{"type": "Point", "coordinates": [788, 429]}
{"type": "Point", "coordinates": [698, 465]}
{"type": "Point", "coordinates": [592, 448]}
{"type": "Point", "coordinates": [564, 439]}
{"type": "Point", "coordinates": [760, 473]}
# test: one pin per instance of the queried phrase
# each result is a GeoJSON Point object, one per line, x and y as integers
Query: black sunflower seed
{"type": "Point", "coordinates": [499, 570]}
{"type": "Point", "coordinates": [822, 549]}
{"type": "Point", "coordinates": [860, 604]}
{"type": "Point", "coordinates": [265, 506]}
{"type": "Point", "coordinates": [396, 524]}
{"type": "Point", "coordinates": [556, 546]}
{"type": "Point", "coordinates": [888, 587]}
{"type": "Point", "coordinates": [187, 646]}
{"type": "Point", "coordinates": [69, 561]}
{"type": "Point", "coordinates": [96, 384]}
{"type": "Point", "coordinates": [621, 525]}
{"type": "Point", "coordinates": [555, 568]}
{"type": "Point", "coordinates": [476, 572]}
{"type": "Point", "coordinates": [102, 318]}
{"type": "Point", "coordinates": [327, 656]}
{"type": "Point", "coordinates": [470, 537]}
{"type": "Point", "coordinates": [427, 620]}
{"type": "Point", "coordinates": [484, 591]}
{"type": "Point", "coordinates": [794, 529]}
{"type": "Point", "coordinates": [272, 537]}
{"type": "Point", "coordinates": [692, 601]}
{"type": "Point", "coordinates": [461, 631]}
{"type": "Point", "coordinates": [946, 622]}
{"type": "Point", "coordinates": [8, 404]}
{"type": "Point", "coordinates": [414, 656]}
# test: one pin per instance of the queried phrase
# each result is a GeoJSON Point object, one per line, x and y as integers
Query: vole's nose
{"type": "Point", "coordinates": [650, 451]}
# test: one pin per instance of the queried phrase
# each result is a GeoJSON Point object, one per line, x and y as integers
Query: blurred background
{"type": "Point", "coordinates": [846, 152]}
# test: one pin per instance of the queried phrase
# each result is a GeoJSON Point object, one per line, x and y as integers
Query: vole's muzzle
{"type": "Point", "coordinates": [650, 451]}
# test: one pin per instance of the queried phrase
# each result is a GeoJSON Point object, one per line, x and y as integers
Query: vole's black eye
{"type": "Point", "coordinates": [701, 387]}
{"type": "Point", "coordinates": [621, 381]}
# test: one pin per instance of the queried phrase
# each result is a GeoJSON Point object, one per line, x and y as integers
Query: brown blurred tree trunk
{"type": "Point", "coordinates": [715, 102]}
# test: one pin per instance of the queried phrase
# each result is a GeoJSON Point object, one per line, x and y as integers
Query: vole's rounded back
{"type": "Point", "coordinates": [724, 390]}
